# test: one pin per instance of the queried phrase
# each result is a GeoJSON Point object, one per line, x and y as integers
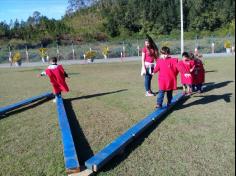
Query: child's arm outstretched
{"type": "Point", "coordinates": [42, 74]}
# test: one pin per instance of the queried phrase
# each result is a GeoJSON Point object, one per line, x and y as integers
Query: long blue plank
{"type": "Point", "coordinates": [8, 108]}
{"type": "Point", "coordinates": [70, 156]}
{"type": "Point", "coordinates": [97, 161]}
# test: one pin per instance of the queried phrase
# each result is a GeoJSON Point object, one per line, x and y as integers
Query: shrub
{"type": "Point", "coordinates": [227, 44]}
{"type": "Point", "coordinates": [90, 54]}
{"type": "Point", "coordinates": [16, 57]}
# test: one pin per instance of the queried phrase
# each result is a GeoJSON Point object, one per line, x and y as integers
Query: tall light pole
{"type": "Point", "coordinates": [182, 26]}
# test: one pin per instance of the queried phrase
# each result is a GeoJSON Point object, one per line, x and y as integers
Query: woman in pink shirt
{"type": "Point", "coordinates": [167, 77]}
{"type": "Point", "coordinates": [149, 57]}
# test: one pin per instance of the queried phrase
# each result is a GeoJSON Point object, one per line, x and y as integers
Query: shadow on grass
{"type": "Point", "coordinates": [96, 95]}
{"type": "Point", "coordinates": [82, 146]}
{"type": "Point", "coordinates": [138, 140]}
{"type": "Point", "coordinates": [211, 71]}
{"type": "Point", "coordinates": [25, 108]}
{"type": "Point", "coordinates": [211, 85]}
{"type": "Point", "coordinates": [83, 149]}
{"type": "Point", "coordinates": [208, 99]}
{"type": "Point", "coordinates": [73, 74]}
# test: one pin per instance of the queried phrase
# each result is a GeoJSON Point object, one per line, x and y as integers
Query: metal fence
{"type": "Point", "coordinates": [116, 49]}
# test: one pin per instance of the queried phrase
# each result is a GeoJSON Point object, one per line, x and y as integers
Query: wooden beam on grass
{"type": "Point", "coordinates": [70, 155]}
{"type": "Point", "coordinates": [11, 107]}
{"type": "Point", "coordinates": [101, 158]}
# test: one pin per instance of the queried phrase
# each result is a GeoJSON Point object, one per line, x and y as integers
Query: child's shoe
{"type": "Point", "coordinates": [200, 91]}
{"type": "Point", "coordinates": [168, 105]}
{"type": "Point", "coordinates": [54, 100]}
{"type": "Point", "coordinates": [158, 106]}
{"type": "Point", "coordinates": [149, 94]}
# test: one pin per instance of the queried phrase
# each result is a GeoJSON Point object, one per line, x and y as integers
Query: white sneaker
{"type": "Point", "coordinates": [54, 100]}
{"type": "Point", "coordinates": [148, 94]}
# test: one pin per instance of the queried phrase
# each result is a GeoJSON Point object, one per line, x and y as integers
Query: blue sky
{"type": "Point", "coordinates": [22, 9]}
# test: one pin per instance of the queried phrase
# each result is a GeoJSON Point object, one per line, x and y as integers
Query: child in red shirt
{"type": "Point", "coordinates": [57, 77]}
{"type": "Point", "coordinates": [198, 73]}
{"type": "Point", "coordinates": [186, 65]}
{"type": "Point", "coordinates": [167, 77]}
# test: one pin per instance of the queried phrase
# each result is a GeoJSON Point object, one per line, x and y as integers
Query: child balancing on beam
{"type": "Point", "coordinates": [57, 77]}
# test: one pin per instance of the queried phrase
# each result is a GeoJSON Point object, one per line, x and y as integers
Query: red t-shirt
{"type": "Point", "coordinates": [199, 72]}
{"type": "Point", "coordinates": [167, 78]}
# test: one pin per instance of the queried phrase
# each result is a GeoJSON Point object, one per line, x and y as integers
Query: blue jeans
{"type": "Point", "coordinates": [147, 82]}
{"type": "Point", "coordinates": [161, 95]}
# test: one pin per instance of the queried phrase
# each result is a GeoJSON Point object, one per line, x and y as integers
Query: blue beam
{"type": "Point", "coordinates": [97, 161]}
{"type": "Point", "coordinates": [70, 156]}
{"type": "Point", "coordinates": [8, 108]}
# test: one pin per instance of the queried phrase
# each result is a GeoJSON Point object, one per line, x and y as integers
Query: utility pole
{"type": "Point", "coordinates": [182, 26]}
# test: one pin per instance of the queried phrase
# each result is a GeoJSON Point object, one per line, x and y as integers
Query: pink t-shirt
{"type": "Point", "coordinates": [185, 67]}
{"type": "Point", "coordinates": [167, 77]}
{"type": "Point", "coordinates": [149, 55]}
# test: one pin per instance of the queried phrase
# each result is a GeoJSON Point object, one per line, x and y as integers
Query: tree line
{"type": "Point", "coordinates": [163, 16]}
{"type": "Point", "coordinates": [126, 17]}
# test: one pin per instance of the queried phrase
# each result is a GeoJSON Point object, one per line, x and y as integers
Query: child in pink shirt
{"type": "Point", "coordinates": [186, 65]}
{"type": "Point", "coordinates": [167, 77]}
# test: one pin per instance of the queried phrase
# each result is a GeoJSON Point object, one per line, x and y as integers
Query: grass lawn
{"type": "Point", "coordinates": [197, 138]}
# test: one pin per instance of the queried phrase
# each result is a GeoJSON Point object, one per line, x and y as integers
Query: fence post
{"type": "Point", "coordinates": [73, 51]}
{"type": "Point", "coordinates": [58, 52]}
{"type": "Point", "coordinates": [124, 49]}
{"type": "Point", "coordinates": [10, 55]}
{"type": "Point", "coordinates": [196, 45]}
{"type": "Point", "coordinates": [26, 53]}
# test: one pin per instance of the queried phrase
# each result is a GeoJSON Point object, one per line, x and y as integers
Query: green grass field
{"type": "Point", "coordinates": [197, 138]}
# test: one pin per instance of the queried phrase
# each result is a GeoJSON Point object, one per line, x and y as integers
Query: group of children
{"type": "Point", "coordinates": [192, 65]}
{"type": "Point", "coordinates": [190, 68]}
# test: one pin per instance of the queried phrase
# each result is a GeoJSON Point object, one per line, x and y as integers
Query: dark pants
{"type": "Point", "coordinates": [197, 87]}
{"type": "Point", "coordinates": [147, 82]}
{"type": "Point", "coordinates": [161, 95]}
